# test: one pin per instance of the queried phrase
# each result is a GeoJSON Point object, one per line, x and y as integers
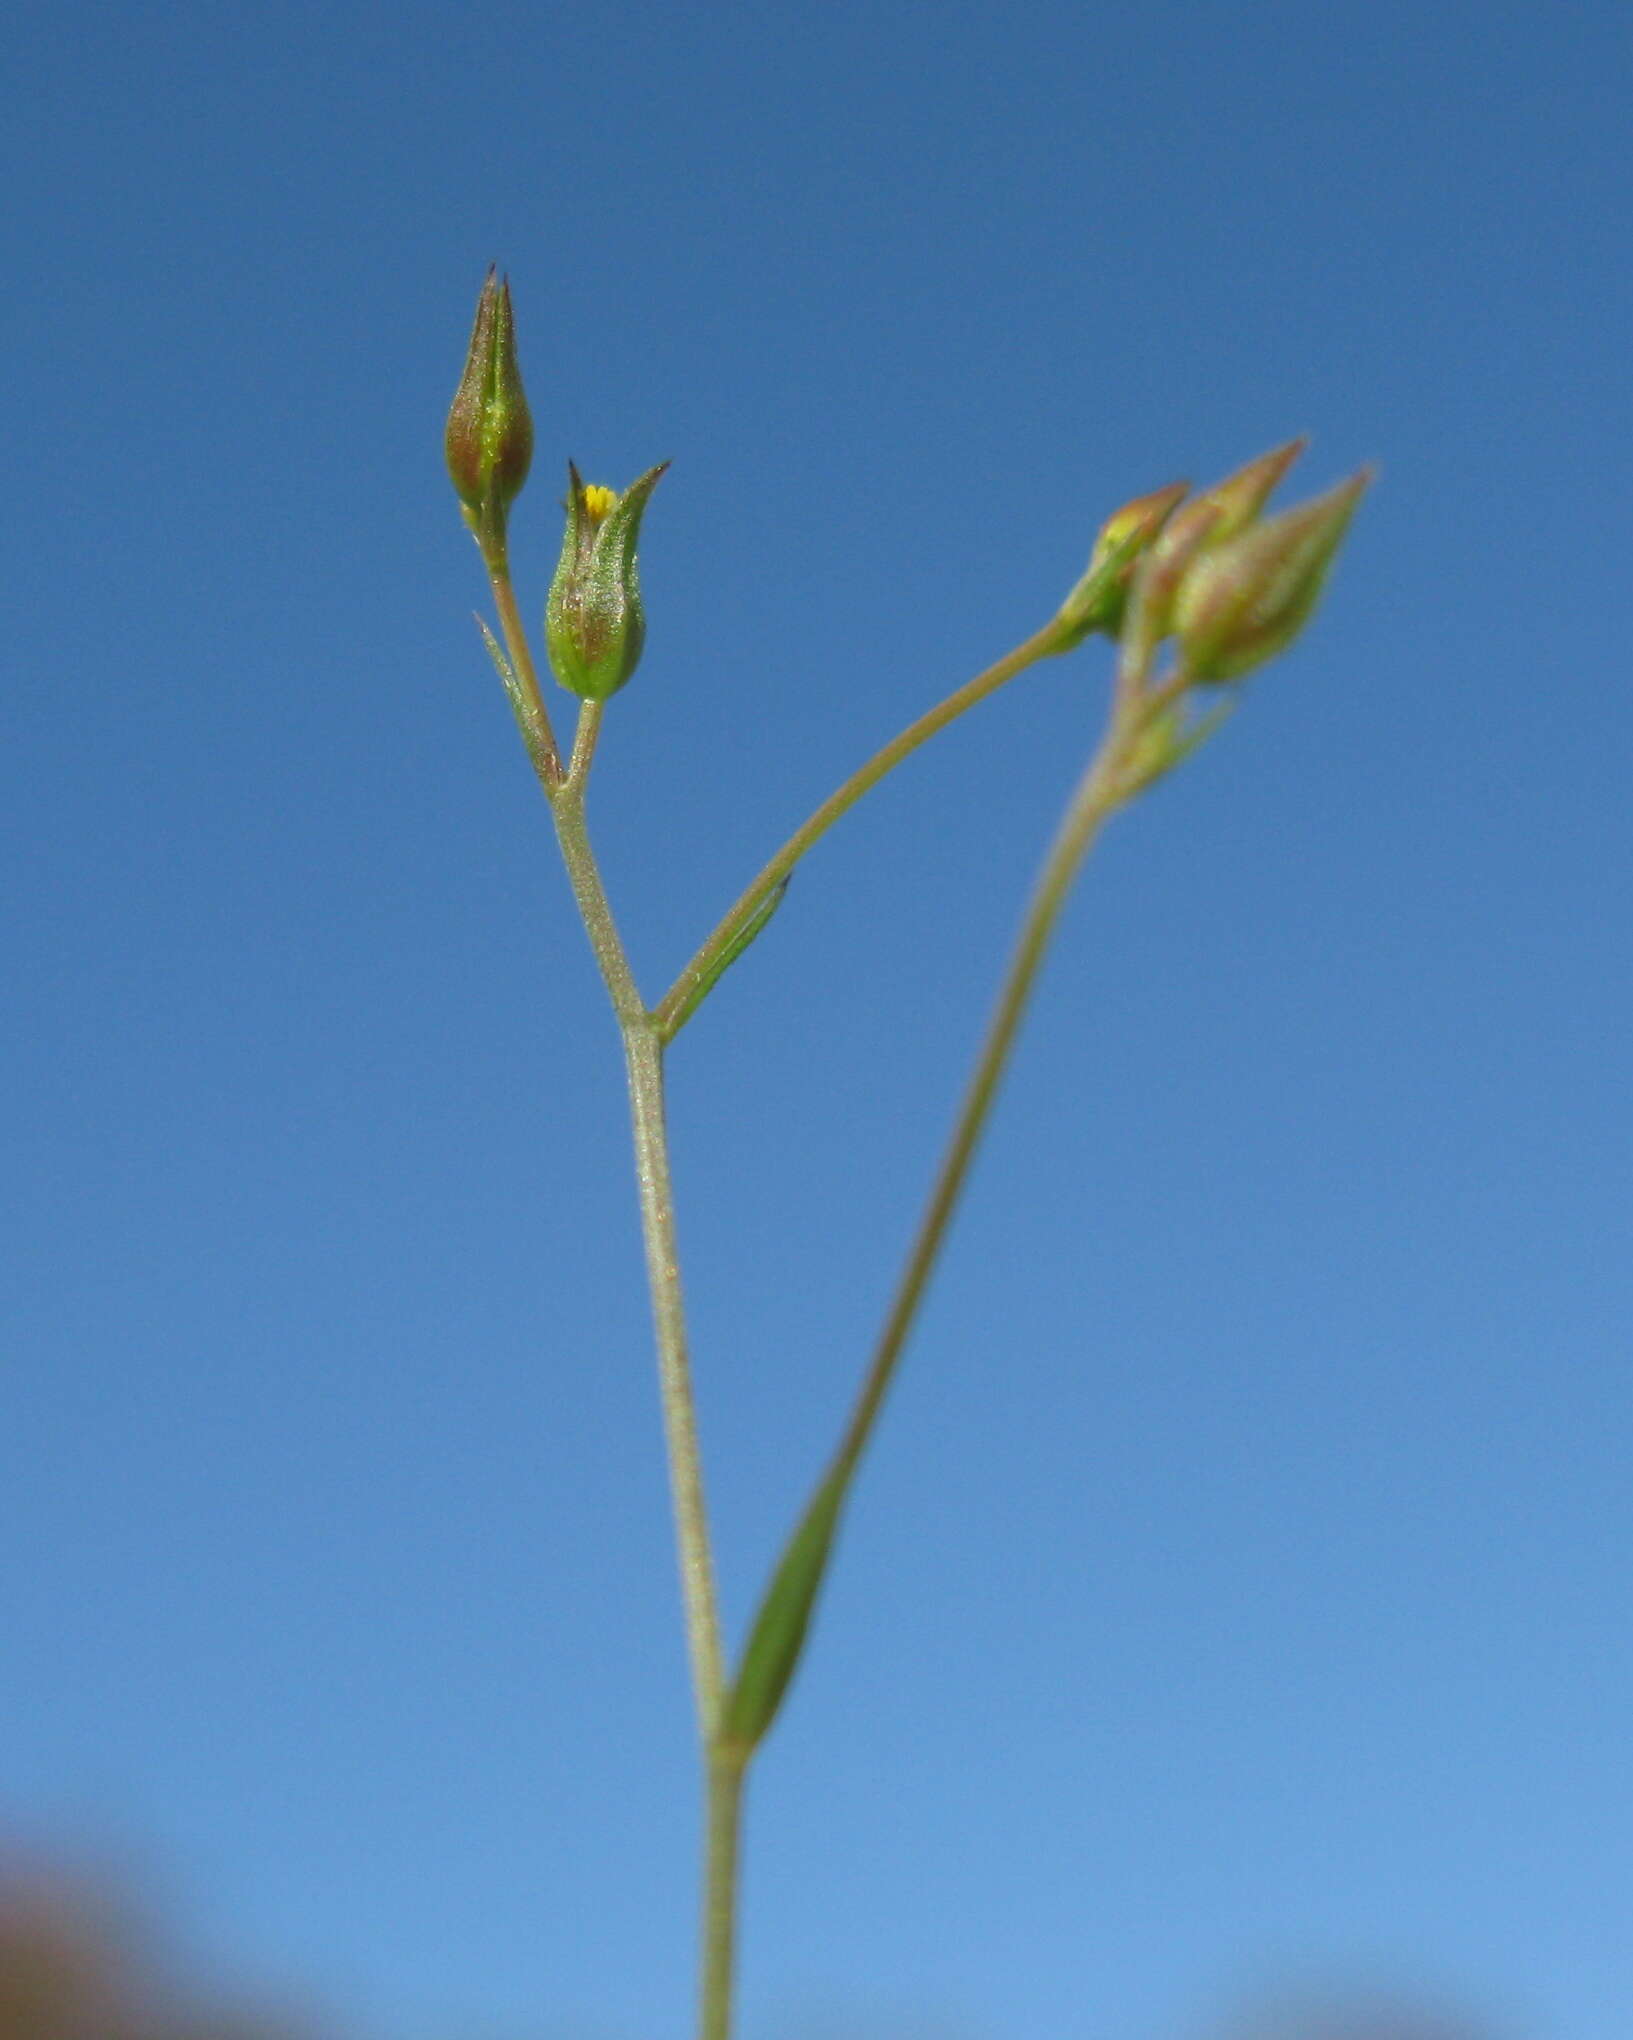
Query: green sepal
{"type": "Point", "coordinates": [1098, 600]}
{"type": "Point", "coordinates": [1096, 603]}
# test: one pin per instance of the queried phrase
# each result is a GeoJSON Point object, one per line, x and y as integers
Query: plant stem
{"type": "Point", "coordinates": [728, 1769]}
{"type": "Point", "coordinates": [584, 741]}
{"type": "Point", "coordinates": [1038, 646]}
{"type": "Point", "coordinates": [643, 1056]}
{"type": "Point", "coordinates": [1095, 799]}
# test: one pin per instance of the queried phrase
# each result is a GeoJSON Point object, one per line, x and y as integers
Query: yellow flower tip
{"type": "Point", "coordinates": [598, 502]}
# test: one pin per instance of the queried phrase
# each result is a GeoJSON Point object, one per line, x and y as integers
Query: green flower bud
{"type": "Point", "coordinates": [489, 441]}
{"type": "Point", "coordinates": [594, 625]}
{"type": "Point", "coordinates": [1098, 600]}
{"type": "Point", "coordinates": [1243, 602]}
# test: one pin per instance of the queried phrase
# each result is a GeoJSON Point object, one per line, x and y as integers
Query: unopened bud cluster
{"type": "Point", "coordinates": [1231, 586]}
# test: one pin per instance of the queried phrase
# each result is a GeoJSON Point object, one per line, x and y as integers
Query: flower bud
{"type": "Point", "coordinates": [1098, 600]}
{"type": "Point", "coordinates": [1243, 602]}
{"type": "Point", "coordinates": [1207, 521]}
{"type": "Point", "coordinates": [489, 441]}
{"type": "Point", "coordinates": [594, 624]}
{"type": "Point", "coordinates": [1240, 497]}
{"type": "Point", "coordinates": [1159, 572]}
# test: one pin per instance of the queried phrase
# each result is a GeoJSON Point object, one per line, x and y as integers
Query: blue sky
{"type": "Point", "coordinates": [1237, 1598]}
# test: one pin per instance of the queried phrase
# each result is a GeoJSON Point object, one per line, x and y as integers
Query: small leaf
{"type": "Point", "coordinates": [497, 656]}
{"type": "Point", "coordinates": [777, 1637]}
{"type": "Point", "coordinates": [759, 918]}
{"type": "Point", "coordinates": [520, 707]}
{"type": "Point", "coordinates": [1167, 743]}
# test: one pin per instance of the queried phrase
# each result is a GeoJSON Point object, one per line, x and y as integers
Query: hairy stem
{"type": "Point", "coordinates": [585, 738]}
{"type": "Point", "coordinates": [643, 1056]}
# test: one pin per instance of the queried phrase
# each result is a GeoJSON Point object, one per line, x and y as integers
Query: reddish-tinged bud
{"type": "Point", "coordinates": [1158, 575]}
{"type": "Point", "coordinates": [1243, 602]}
{"type": "Point", "coordinates": [1240, 497]}
{"type": "Point", "coordinates": [489, 441]}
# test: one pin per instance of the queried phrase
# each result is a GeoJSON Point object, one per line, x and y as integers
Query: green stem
{"type": "Point", "coordinates": [672, 1008]}
{"type": "Point", "coordinates": [728, 1770]}
{"type": "Point", "coordinates": [590, 894]}
{"type": "Point", "coordinates": [643, 1056]}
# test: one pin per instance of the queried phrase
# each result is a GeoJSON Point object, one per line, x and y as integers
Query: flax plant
{"type": "Point", "coordinates": [1193, 591]}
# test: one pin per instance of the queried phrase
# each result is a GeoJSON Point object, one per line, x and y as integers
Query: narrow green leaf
{"type": "Point", "coordinates": [520, 707]}
{"type": "Point", "coordinates": [501, 665]}
{"type": "Point", "coordinates": [778, 1635]}
{"type": "Point", "coordinates": [757, 921]}
{"type": "Point", "coordinates": [1202, 729]}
